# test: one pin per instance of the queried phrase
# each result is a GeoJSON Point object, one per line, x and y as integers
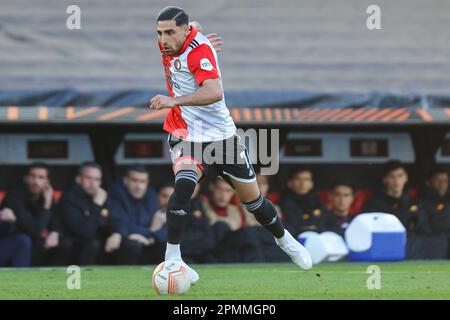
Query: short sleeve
{"type": "Point", "coordinates": [202, 64]}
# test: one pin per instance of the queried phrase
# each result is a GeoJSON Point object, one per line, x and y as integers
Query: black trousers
{"type": "Point", "coordinates": [58, 256]}
{"type": "Point", "coordinates": [92, 252]}
{"type": "Point", "coordinates": [271, 251]}
{"type": "Point", "coordinates": [426, 246]}
{"type": "Point", "coordinates": [242, 245]}
{"type": "Point", "coordinates": [132, 252]}
{"type": "Point", "coordinates": [86, 251]}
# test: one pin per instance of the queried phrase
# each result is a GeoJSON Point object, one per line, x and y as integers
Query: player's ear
{"type": "Point", "coordinates": [187, 29]}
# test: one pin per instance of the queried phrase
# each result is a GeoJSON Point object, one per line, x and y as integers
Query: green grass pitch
{"type": "Point", "coordinates": [404, 280]}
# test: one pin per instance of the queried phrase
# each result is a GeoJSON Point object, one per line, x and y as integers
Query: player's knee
{"type": "Point", "coordinates": [185, 182]}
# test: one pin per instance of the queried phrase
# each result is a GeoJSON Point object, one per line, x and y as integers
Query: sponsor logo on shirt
{"type": "Point", "coordinates": [205, 64]}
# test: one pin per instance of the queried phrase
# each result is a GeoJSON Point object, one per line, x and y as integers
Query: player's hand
{"type": "Point", "coordinates": [52, 240]}
{"type": "Point", "coordinates": [158, 221]}
{"type": "Point", "coordinates": [139, 238]}
{"type": "Point", "coordinates": [113, 242]}
{"type": "Point", "coordinates": [216, 41]}
{"type": "Point", "coordinates": [100, 197]}
{"type": "Point", "coordinates": [160, 102]}
{"type": "Point", "coordinates": [7, 215]}
{"type": "Point", "coordinates": [48, 196]}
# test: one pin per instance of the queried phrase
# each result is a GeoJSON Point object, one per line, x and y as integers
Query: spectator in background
{"type": "Point", "coordinates": [234, 241]}
{"type": "Point", "coordinates": [436, 200]}
{"type": "Point", "coordinates": [155, 252]}
{"type": "Point", "coordinates": [302, 209]}
{"type": "Point", "coordinates": [198, 240]}
{"type": "Point", "coordinates": [15, 249]}
{"type": "Point", "coordinates": [271, 251]}
{"type": "Point", "coordinates": [395, 198]}
{"type": "Point", "coordinates": [33, 205]}
{"type": "Point", "coordinates": [338, 219]}
{"type": "Point", "coordinates": [134, 201]}
{"type": "Point", "coordinates": [95, 231]}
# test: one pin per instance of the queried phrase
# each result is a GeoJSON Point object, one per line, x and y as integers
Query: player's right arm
{"type": "Point", "coordinates": [202, 63]}
{"type": "Point", "coordinates": [209, 92]}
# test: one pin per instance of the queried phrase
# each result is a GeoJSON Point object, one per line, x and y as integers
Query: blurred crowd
{"type": "Point", "coordinates": [125, 224]}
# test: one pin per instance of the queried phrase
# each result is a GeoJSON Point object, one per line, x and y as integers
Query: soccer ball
{"type": "Point", "coordinates": [171, 278]}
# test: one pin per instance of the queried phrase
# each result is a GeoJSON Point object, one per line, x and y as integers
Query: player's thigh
{"type": "Point", "coordinates": [238, 170]}
{"type": "Point", "coordinates": [183, 158]}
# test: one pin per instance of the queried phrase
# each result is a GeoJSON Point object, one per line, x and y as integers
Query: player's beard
{"type": "Point", "coordinates": [167, 51]}
{"type": "Point", "coordinates": [170, 51]}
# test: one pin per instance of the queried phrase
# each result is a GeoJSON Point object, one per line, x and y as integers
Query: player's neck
{"type": "Point", "coordinates": [188, 40]}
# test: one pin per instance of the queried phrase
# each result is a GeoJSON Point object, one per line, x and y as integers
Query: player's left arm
{"type": "Point", "coordinates": [214, 38]}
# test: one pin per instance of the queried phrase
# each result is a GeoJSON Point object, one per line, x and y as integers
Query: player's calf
{"type": "Point", "coordinates": [179, 204]}
{"type": "Point", "coordinates": [266, 214]}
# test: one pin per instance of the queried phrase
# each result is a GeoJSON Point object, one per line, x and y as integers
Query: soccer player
{"type": "Point", "coordinates": [199, 120]}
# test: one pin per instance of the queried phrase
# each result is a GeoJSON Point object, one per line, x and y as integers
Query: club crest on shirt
{"type": "Point", "coordinates": [177, 64]}
{"type": "Point", "coordinates": [205, 64]}
{"type": "Point", "coordinates": [197, 214]}
{"type": "Point", "coordinates": [104, 212]}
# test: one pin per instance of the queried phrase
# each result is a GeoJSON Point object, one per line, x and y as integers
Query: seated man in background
{"type": "Point", "coordinates": [394, 198]}
{"type": "Point", "coordinates": [95, 231]}
{"type": "Point", "coordinates": [33, 205]}
{"type": "Point", "coordinates": [234, 241]}
{"type": "Point", "coordinates": [15, 248]}
{"type": "Point", "coordinates": [134, 201]}
{"type": "Point", "coordinates": [198, 240]}
{"type": "Point", "coordinates": [270, 250]}
{"type": "Point", "coordinates": [436, 201]}
{"type": "Point", "coordinates": [154, 253]}
{"type": "Point", "coordinates": [302, 209]}
{"type": "Point", "coordinates": [342, 196]}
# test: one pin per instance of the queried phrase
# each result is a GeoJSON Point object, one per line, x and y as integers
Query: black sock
{"type": "Point", "coordinates": [179, 204]}
{"type": "Point", "coordinates": [266, 214]}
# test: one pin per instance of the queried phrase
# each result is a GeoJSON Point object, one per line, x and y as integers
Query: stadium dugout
{"type": "Point", "coordinates": [345, 99]}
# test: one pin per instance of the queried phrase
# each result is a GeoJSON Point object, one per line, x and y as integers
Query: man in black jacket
{"type": "Point", "coordinates": [198, 239]}
{"type": "Point", "coordinates": [342, 196]}
{"type": "Point", "coordinates": [436, 201]}
{"type": "Point", "coordinates": [396, 199]}
{"type": "Point", "coordinates": [302, 209]}
{"type": "Point", "coordinates": [33, 205]}
{"type": "Point", "coordinates": [136, 203]}
{"type": "Point", "coordinates": [95, 231]}
{"type": "Point", "coordinates": [15, 248]}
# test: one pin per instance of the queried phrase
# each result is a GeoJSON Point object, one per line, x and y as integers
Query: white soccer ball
{"type": "Point", "coordinates": [171, 278]}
